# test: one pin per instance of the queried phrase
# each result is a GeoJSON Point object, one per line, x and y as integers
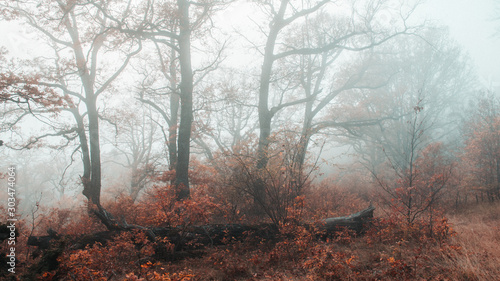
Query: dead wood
{"type": "Point", "coordinates": [184, 237]}
{"type": "Point", "coordinates": [187, 240]}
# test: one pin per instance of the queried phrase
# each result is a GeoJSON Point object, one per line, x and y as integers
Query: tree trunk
{"type": "Point", "coordinates": [172, 131]}
{"type": "Point", "coordinates": [92, 189]}
{"type": "Point", "coordinates": [85, 178]}
{"type": "Point", "coordinates": [174, 112]}
{"type": "Point", "coordinates": [305, 137]}
{"type": "Point", "coordinates": [265, 115]}
{"type": "Point", "coordinates": [357, 221]}
{"type": "Point", "coordinates": [95, 154]}
{"type": "Point", "coordinates": [186, 98]}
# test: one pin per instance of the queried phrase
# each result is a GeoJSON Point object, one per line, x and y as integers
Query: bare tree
{"type": "Point", "coordinates": [226, 121]}
{"type": "Point", "coordinates": [79, 35]}
{"type": "Point", "coordinates": [362, 31]}
{"type": "Point", "coordinates": [174, 27]}
{"type": "Point", "coordinates": [135, 140]}
{"type": "Point", "coordinates": [163, 99]}
{"type": "Point", "coordinates": [434, 77]}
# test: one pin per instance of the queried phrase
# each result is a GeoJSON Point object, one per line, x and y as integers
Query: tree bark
{"type": "Point", "coordinates": [357, 221]}
{"type": "Point", "coordinates": [174, 110]}
{"type": "Point", "coordinates": [95, 154]}
{"type": "Point", "coordinates": [186, 98]}
{"type": "Point", "coordinates": [172, 131]}
{"type": "Point", "coordinates": [265, 115]}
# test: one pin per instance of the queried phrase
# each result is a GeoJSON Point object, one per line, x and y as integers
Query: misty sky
{"type": "Point", "coordinates": [472, 24]}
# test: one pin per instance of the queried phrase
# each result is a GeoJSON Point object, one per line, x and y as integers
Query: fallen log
{"type": "Point", "coordinates": [190, 237]}
{"type": "Point", "coordinates": [356, 222]}
{"type": "Point", "coordinates": [187, 239]}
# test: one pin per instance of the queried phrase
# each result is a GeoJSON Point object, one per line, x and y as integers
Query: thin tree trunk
{"type": "Point", "coordinates": [85, 178]}
{"type": "Point", "coordinates": [305, 137]}
{"type": "Point", "coordinates": [172, 130]}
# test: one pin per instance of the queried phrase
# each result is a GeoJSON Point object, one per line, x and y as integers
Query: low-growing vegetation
{"type": "Point", "coordinates": [456, 245]}
{"type": "Point", "coordinates": [312, 140]}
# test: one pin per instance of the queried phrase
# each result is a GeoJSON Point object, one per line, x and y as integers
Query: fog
{"type": "Point", "coordinates": [475, 27]}
{"type": "Point", "coordinates": [189, 125]}
{"type": "Point", "coordinates": [471, 24]}
{"type": "Point", "coordinates": [337, 88]}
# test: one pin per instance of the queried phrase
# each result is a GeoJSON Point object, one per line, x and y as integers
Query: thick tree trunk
{"type": "Point", "coordinates": [85, 178]}
{"type": "Point", "coordinates": [357, 221]}
{"type": "Point", "coordinates": [186, 98]}
{"type": "Point", "coordinates": [92, 185]}
{"type": "Point", "coordinates": [265, 114]}
{"type": "Point", "coordinates": [302, 148]}
{"type": "Point", "coordinates": [95, 154]}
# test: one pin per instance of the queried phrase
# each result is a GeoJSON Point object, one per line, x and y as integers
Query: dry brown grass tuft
{"type": "Point", "coordinates": [477, 256]}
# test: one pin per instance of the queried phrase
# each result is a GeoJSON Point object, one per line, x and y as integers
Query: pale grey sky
{"type": "Point", "coordinates": [471, 24]}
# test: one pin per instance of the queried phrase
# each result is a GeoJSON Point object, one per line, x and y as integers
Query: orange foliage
{"type": "Point", "coordinates": [417, 195]}
{"type": "Point", "coordinates": [482, 152]}
{"type": "Point", "coordinates": [328, 199]}
{"type": "Point", "coordinates": [160, 207]}
{"type": "Point", "coordinates": [115, 259]}
{"type": "Point", "coordinates": [68, 221]}
{"type": "Point", "coordinates": [391, 249]}
{"type": "Point", "coordinates": [23, 89]}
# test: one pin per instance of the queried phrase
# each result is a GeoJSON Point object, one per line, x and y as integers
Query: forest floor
{"type": "Point", "coordinates": [470, 250]}
{"type": "Point", "coordinates": [466, 246]}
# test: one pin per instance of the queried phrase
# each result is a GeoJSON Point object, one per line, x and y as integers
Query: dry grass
{"type": "Point", "coordinates": [477, 256]}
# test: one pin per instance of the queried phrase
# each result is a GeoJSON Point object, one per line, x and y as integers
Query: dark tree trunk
{"type": "Point", "coordinates": [186, 98]}
{"type": "Point", "coordinates": [304, 140]}
{"type": "Point", "coordinates": [95, 154]}
{"type": "Point", "coordinates": [357, 221]}
{"type": "Point", "coordinates": [92, 188]}
{"type": "Point", "coordinates": [85, 178]}
{"type": "Point", "coordinates": [172, 131]}
{"type": "Point", "coordinates": [265, 114]}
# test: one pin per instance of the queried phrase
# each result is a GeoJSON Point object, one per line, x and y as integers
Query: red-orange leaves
{"type": "Point", "coordinates": [31, 90]}
{"type": "Point", "coordinates": [481, 160]}
{"type": "Point", "coordinates": [105, 262]}
{"type": "Point", "coordinates": [161, 208]}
